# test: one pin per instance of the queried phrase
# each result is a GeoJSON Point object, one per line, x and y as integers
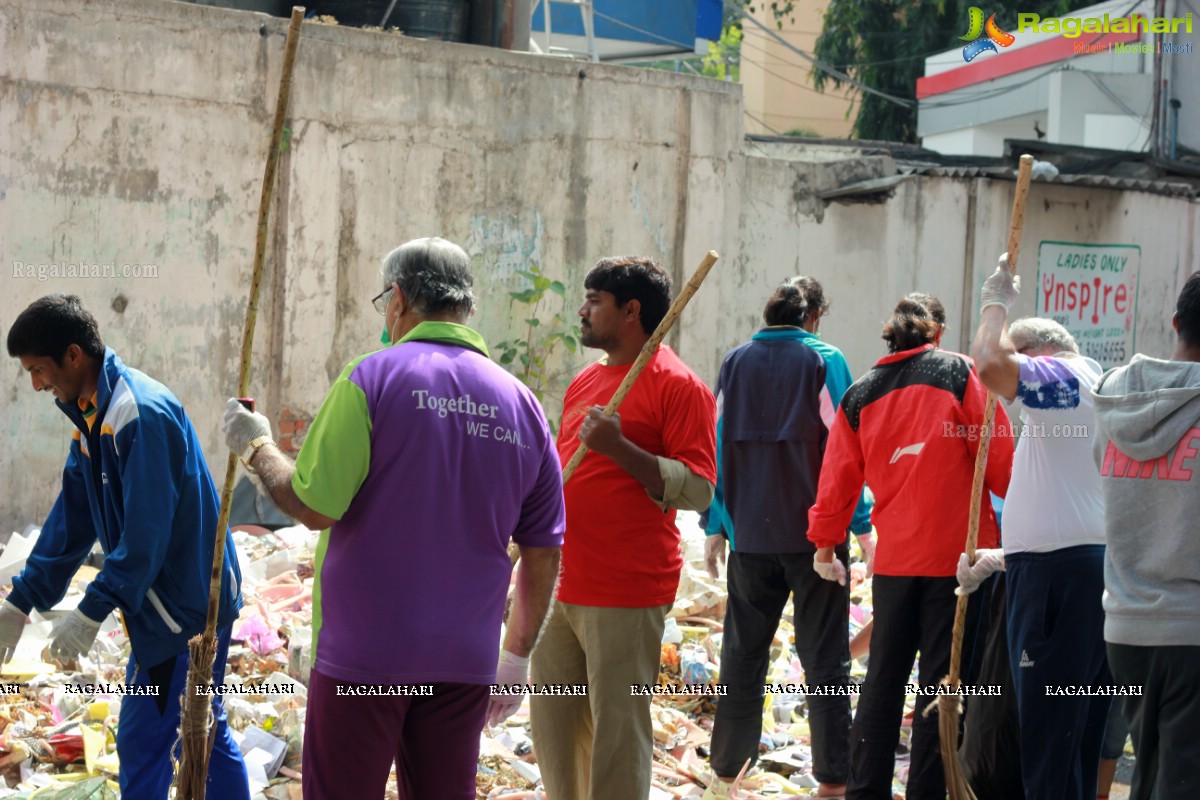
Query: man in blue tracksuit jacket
{"type": "Point", "coordinates": [136, 480]}
{"type": "Point", "coordinates": [776, 396]}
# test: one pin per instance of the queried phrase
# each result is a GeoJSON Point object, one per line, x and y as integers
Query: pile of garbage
{"type": "Point", "coordinates": [58, 727]}
{"type": "Point", "coordinates": [57, 731]}
{"type": "Point", "coordinates": [691, 653]}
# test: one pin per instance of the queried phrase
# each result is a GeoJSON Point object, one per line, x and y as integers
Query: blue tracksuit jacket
{"type": "Point", "coordinates": [837, 379]}
{"type": "Point", "coordinates": [138, 482]}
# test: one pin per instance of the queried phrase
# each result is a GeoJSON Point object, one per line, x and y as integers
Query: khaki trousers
{"type": "Point", "coordinates": [598, 747]}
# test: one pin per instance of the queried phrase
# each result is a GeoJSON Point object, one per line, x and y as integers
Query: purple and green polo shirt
{"type": "Point", "coordinates": [431, 458]}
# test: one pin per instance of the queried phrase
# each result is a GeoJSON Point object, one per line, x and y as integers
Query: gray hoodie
{"type": "Point", "coordinates": [1148, 449]}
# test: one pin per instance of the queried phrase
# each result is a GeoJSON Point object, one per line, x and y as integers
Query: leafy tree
{"type": "Point", "coordinates": [883, 44]}
{"type": "Point", "coordinates": [721, 62]}
{"type": "Point", "coordinates": [723, 56]}
{"type": "Point", "coordinates": [780, 9]}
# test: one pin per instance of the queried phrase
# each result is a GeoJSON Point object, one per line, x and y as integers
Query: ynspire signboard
{"type": "Point", "coordinates": [1091, 289]}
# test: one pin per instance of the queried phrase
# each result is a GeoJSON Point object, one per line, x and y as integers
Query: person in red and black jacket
{"type": "Point", "coordinates": [909, 428]}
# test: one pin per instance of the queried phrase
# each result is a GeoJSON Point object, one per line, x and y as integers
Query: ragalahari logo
{"type": "Point", "coordinates": [995, 35]}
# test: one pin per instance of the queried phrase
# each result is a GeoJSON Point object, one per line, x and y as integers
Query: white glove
{"type": "Point", "coordinates": [831, 570]}
{"type": "Point", "coordinates": [971, 577]}
{"type": "Point", "coordinates": [73, 637]}
{"type": "Point", "coordinates": [242, 427]}
{"type": "Point", "coordinates": [511, 669]}
{"type": "Point", "coordinates": [714, 551]}
{"type": "Point", "coordinates": [1001, 288]}
{"type": "Point", "coordinates": [866, 542]}
{"type": "Point", "coordinates": [12, 625]}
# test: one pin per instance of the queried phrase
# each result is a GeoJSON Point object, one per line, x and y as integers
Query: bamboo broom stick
{"type": "Point", "coordinates": [949, 706]}
{"type": "Point", "coordinates": [196, 709]}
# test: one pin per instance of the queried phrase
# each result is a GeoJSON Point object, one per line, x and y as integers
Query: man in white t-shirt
{"type": "Point", "coordinates": [1053, 543]}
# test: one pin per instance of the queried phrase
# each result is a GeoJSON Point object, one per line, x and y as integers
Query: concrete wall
{"type": "Point", "coordinates": [135, 134]}
{"type": "Point", "coordinates": [988, 138]}
{"type": "Point", "coordinates": [1074, 98]}
{"type": "Point", "coordinates": [938, 235]}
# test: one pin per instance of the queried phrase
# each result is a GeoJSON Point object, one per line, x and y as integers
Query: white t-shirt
{"type": "Point", "coordinates": [1054, 498]}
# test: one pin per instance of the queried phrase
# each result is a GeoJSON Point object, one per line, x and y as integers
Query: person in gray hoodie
{"type": "Point", "coordinates": [1148, 450]}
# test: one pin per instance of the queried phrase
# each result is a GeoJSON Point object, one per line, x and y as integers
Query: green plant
{"type": "Point", "coordinates": [723, 56]}
{"type": "Point", "coordinates": [528, 357]}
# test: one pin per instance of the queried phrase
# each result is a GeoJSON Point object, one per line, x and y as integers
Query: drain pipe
{"type": "Point", "coordinates": [1175, 104]}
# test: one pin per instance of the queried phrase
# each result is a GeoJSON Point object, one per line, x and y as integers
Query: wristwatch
{"type": "Point", "coordinates": [252, 448]}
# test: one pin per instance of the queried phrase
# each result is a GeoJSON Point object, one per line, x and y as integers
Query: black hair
{"type": "Point", "coordinates": [787, 306]}
{"type": "Point", "coordinates": [50, 325]}
{"type": "Point", "coordinates": [931, 303]}
{"type": "Point", "coordinates": [634, 278]}
{"type": "Point", "coordinates": [1187, 311]}
{"type": "Point", "coordinates": [913, 323]}
{"type": "Point", "coordinates": [814, 294]}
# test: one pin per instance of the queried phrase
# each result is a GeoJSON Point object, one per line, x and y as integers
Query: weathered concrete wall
{"type": "Point", "coordinates": [134, 133]}
{"type": "Point", "coordinates": [934, 234]}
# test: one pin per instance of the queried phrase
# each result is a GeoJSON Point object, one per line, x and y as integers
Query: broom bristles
{"type": "Point", "coordinates": [195, 720]}
{"type": "Point", "coordinates": [949, 708]}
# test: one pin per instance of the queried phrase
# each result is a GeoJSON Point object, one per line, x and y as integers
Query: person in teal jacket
{"type": "Point", "coordinates": [136, 481]}
{"type": "Point", "coordinates": [837, 379]}
{"type": "Point", "coordinates": [775, 399]}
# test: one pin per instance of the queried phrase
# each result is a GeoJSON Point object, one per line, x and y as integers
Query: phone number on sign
{"type": "Point", "coordinates": [1105, 351]}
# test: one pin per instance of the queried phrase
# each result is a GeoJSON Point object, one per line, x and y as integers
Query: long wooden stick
{"type": "Point", "coordinates": [677, 306]}
{"type": "Point", "coordinates": [196, 710]}
{"type": "Point", "coordinates": [949, 706]}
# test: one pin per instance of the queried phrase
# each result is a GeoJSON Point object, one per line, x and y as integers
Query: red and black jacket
{"type": "Point", "coordinates": [910, 428]}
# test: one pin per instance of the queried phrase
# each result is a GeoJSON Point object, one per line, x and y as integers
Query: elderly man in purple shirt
{"type": "Point", "coordinates": [425, 460]}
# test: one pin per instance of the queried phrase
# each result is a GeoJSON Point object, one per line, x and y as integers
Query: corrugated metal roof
{"type": "Point", "coordinates": [1167, 188]}
{"type": "Point", "coordinates": [1085, 166]}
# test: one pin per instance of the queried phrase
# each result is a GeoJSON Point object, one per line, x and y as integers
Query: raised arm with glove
{"type": "Point", "coordinates": [1002, 288]}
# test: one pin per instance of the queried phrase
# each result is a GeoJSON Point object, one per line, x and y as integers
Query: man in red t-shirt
{"type": "Point", "coordinates": [621, 558]}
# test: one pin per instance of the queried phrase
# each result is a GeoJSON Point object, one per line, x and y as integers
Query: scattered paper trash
{"type": "Point", "coordinates": [256, 739]}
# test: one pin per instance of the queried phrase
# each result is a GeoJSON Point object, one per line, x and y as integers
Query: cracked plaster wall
{"type": "Point", "coordinates": [134, 132]}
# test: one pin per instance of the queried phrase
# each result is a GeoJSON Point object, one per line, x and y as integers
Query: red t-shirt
{"type": "Point", "coordinates": [620, 550]}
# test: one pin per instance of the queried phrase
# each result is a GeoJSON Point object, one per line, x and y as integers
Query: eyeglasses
{"type": "Point", "coordinates": [381, 300]}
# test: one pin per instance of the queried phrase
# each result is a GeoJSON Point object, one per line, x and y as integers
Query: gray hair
{"type": "Point", "coordinates": [1038, 333]}
{"type": "Point", "coordinates": [434, 274]}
